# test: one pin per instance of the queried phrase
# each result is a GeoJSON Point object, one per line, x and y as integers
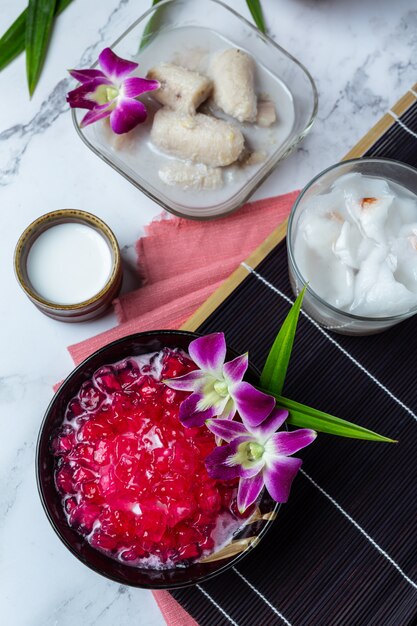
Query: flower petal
{"type": "Point", "coordinates": [253, 406]}
{"type": "Point", "coordinates": [114, 66]}
{"type": "Point", "coordinates": [278, 476]}
{"type": "Point", "coordinates": [90, 94]}
{"type": "Point", "coordinates": [190, 416]}
{"type": "Point", "coordinates": [284, 443]}
{"type": "Point", "coordinates": [193, 381]}
{"type": "Point", "coordinates": [249, 490]}
{"type": "Point", "coordinates": [229, 410]}
{"type": "Point", "coordinates": [84, 76]}
{"type": "Point", "coordinates": [234, 371]}
{"type": "Point", "coordinates": [218, 468]}
{"type": "Point", "coordinates": [98, 113]}
{"type": "Point", "coordinates": [127, 114]}
{"type": "Point", "coordinates": [209, 352]}
{"type": "Point", "coordinates": [134, 86]}
{"type": "Point", "coordinates": [270, 424]}
{"type": "Point", "coordinates": [225, 463]}
{"type": "Point", "coordinates": [226, 429]}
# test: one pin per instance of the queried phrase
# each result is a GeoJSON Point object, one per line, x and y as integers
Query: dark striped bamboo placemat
{"type": "Point", "coordinates": [343, 551]}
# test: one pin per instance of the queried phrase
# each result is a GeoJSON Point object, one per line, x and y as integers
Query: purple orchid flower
{"type": "Point", "coordinates": [111, 92]}
{"type": "Point", "coordinates": [258, 455]}
{"type": "Point", "coordinates": [218, 387]}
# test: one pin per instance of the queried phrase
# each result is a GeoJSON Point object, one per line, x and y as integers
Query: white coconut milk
{"type": "Point", "coordinates": [69, 263]}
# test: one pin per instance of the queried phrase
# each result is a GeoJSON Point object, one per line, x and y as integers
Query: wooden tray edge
{"type": "Point", "coordinates": [363, 145]}
{"type": "Point", "coordinates": [211, 304]}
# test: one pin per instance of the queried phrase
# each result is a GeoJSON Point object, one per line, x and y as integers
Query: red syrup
{"type": "Point", "coordinates": [132, 477]}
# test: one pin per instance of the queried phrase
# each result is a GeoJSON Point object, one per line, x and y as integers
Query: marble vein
{"type": "Point", "coordinates": [10, 482]}
{"type": "Point", "coordinates": [19, 136]}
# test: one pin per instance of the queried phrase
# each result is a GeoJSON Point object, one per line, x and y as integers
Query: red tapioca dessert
{"type": "Point", "coordinates": [132, 477]}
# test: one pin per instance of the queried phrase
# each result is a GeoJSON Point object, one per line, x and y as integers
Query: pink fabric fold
{"type": "Point", "coordinates": [172, 611]}
{"type": "Point", "coordinates": [181, 264]}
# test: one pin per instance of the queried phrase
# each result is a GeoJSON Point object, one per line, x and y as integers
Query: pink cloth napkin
{"type": "Point", "coordinates": [182, 263]}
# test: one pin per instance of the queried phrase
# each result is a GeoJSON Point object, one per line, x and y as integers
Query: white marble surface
{"type": "Point", "coordinates": [363, 56]}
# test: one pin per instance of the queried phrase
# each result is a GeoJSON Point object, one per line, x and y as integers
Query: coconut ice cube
{"type": "Point", "coordinates": [405, 248]}
{"type": "Point", "coordinates": [377, 292]}
{"type": "Point", "coordinates": [358, 245]}
{"type": "Point", "coordinates": [407, 208]}
{"type": "Point", "coordinates": [334, 286]}
{"type": "Point", "coordinates": [358, 186]}
{"type": "Point", "coordinates": [367, 201]}
{"type": "Point", "coordinates": [370, 214]}
{"type": "Point", "coordinates": [332, 202]}
{"type": "Point", "coordinates": [346, 247]}
{"type": "Point", "coordinates": [321, 228]}
{"type": "Point", "coordinates": [395, 219]}
{"type": "Point", "coordinates": [333, 281]}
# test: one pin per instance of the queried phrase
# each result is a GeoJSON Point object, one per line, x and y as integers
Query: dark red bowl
{"type": "Point", "coordinates": [242, 543]}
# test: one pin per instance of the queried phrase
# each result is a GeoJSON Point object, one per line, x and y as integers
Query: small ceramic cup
{"type": "Point", "coordinates": [77, 311]}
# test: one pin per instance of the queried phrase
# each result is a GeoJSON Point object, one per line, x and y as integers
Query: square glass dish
{"type": "Point", "coordinates": [189, 34]}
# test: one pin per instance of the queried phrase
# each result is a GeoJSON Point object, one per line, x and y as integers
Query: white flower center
{"type": "Point", "coordinates": [248, 454]}
{"type": "Point", "coordinates": [254, 451]}
{"type": "Point", "coordinates": [111, 93]}
{"type": "Point", "coordinates": [220, 387]}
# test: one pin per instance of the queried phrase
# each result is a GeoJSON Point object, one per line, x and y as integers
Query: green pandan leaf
{"type": "Point", "coordinates": [306, 417]}
{"type": "Point", "coordinates": [275, 368]}
{"type": "Point", "coordinates": [13, 41]}
{"type": "Point", "coordinates": [256, 11]}
{"type": "Point", "coordinates": [152, 26]}
{"type": "Point", "coordinates": [39, 23]}
{"type": "Point", "coordinates": [272, 382]}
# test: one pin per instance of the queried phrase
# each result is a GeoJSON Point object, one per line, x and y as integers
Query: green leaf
{"type": "Point", "coordinates": [152, 26]}
{"type": "Point", "coordinates": [275, 368]}
{"type": "Point", "coordinates": [272, 382]}
{"type": "Point", "coordinates": [155, 20]}
{"type": "Point", "coordinates": [256, 10]}
{"type": "Point", "coordinates": [40, 19]}
{"type": "Point", "coordinates": [13, 41]}
{"type": "Point", "coordinates": [306, 417]}
{"type": "Point", "coordinates": [61, 5]}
